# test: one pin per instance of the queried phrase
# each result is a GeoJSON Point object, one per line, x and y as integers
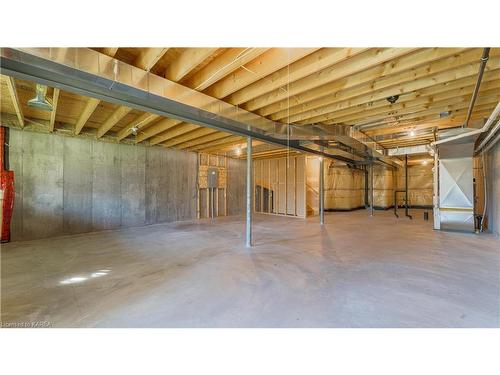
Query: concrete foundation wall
{"type": "Point", "coordinates": [493, 186]}
{"type": "Point", "coordinates": [67, 185]}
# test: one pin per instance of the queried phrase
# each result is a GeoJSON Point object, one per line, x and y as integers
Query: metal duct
{"type": "Point", "coordinates": [40, 101]}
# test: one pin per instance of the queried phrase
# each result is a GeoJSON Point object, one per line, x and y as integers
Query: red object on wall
{"type": "Point", "coordinates": [7, 185]}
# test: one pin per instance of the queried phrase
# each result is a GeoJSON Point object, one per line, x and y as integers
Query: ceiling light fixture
{"type": "Point", "coordinates": [134, 130]}
{"type": "Point", "coordinates": [238, 151]}
{"type": "Point", "coordinates": [393, 99]}
{"type": "Point", "coordinates": [412, 133]}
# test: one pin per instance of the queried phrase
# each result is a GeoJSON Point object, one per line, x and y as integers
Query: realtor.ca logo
{"type": "Point", "coordinates": [36, 324]}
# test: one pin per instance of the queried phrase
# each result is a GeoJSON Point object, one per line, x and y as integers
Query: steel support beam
{"type": "Point", "coordinates": [372, 194]}
{"type": "Point", "coordinates": [321, 191]}
{"type": "Point", "coordinates": [248, 238]}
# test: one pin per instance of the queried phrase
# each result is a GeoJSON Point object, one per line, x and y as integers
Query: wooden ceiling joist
{"type": "Point", "coordinates": [440, 71]}
{"type": "Point", "coordinates": [358, 63]}
{"type": "Point", "coordinates": [172, 133]}
{"type": "Point", "coordinates": [55, 102]}
{"type": "Point", "coordinates": [433, 93]}
{"type": "Point", "coordinates": [186, 62]}
{"type": "Point", "coordinates": [116, 116]}
{"type": "Point", "coordinates": [422, 103]}
{"type": "Point", "coordinates": [14, 97]}
{"type": "Point", "coordinates": [302, 86]}
{"type": "Point", "coordinates": [389, 74]}
{"type": "Point", "coordinates": [147, 59]}
{"type": "Point", "coordinates": [219, 142]}
{"type": "Point", "coordinates": [199, 141]}
{"type": "Point", "coordinates": [363, 95]}
{"type": "Point", "coordinates": [92, 104]}
{"type": "Point", "coordinates": [267, 63]}
{"type": "Point", "coordinates": [161, 126]}
{"type": "Point", "coordinates": [189, 136]}
{"type": "Point", "coordinates": [138, 122]}
{"type": "Point", "coordinates": [304, 67]}
{"type": "Point", "coordinates": [223, 65]}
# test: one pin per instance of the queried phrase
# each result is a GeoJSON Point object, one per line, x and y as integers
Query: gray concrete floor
{"type": "Point", "coordinates": [356, 271]}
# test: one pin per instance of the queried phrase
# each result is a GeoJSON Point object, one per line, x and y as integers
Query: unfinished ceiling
{"type": "Point", "coordinates": [301, 86]}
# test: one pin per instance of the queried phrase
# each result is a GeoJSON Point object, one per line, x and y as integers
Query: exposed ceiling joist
{"type": "Point", "coordinates": [148, 58]}
{"type": "Point", "coordinates": [304, 67]}
{"type": "Point", "coordinates": [186, 62]}
{"type": "Point", "coordinates": [92, 104]}
{"type": "Point", "coordinates": [138, 123]}
{"type": "Point", "coordinates": [224, 64]}
{"type": "Point", "coordinates": [202, 140]}
{"type": "Point", "coordinates": [116, 116]}
{"type": "Point", "coordinates": [55, 102]}
{"type": "Point", "coordinates": [267, 63]}
{"type": "Point", "coordinates": [11, 85]}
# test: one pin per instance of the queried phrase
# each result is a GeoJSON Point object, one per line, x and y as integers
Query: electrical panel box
{"type": "Point", "coordinates": [212, 177]}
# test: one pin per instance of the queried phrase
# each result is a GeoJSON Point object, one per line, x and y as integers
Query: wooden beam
{"type": "Point", "coordinates": [223, 65]}
{"type": "Point", "coordinates": [110, 51]}
{"type": "Point", "coordinates": [201, 140]}
{"type": "Point", "coordinates": [55, 101]}
{"type": "Point", "coordinates": [391, 73]}
{"type": "Point", "coordinates": [433, 93]}
{"type": "Point", "coordinates": [172, 133]}
{"type": "Point", "coordinates": [346, 68]}
{"type": "Point", "coordinates": [148, 58]}
{"type": "Point", "coordinates": [87, 112]}
{"type": "Point", "coordinates": [138, 122]}
{"type": "Point", "coordinates": [186, 62]}
{"type": "Point", "coordinates": [384, 88]}
{"type": "Point", "coordinates": [161, 126]}
{"type": "Point", "coordinates": [232, 145]}
{"type": "Point", "coordinates": [221, 141]}
{"type": "Point", "coordinates": [267, 63]}
{"type": "Point", "coordinates": [189, 136]}
{"type": "Point", "coordinates": [420, 103]}
{"type": "Point", "coordinates": [116, 116]}
{"type": "Point", "coordinates": [436, 110]}
{"type": "Point", "coordinates": [11, 86]}
{"type": "Point", "coordinates": [304, 67]}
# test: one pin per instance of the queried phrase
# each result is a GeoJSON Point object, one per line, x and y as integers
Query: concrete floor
{"type": "Point", "coordinates": [357, 271]}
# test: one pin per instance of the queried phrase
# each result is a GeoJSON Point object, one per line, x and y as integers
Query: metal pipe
{"type": "Point", "coordinates": [407, 214]}
{"type": "Point", "coordinates": [484, 60]}
{"type": "Point", "coordinates": [489, 136]}
{"type": "Point", "coordinates": [492, 143]}
{"type": "Point", "coordinates": [435, 195]}
{"type": "Point", "coordinates": [366, 187]}
{"type": "Point", "coordinates": [321, 191]}
{"type": "Point", "coordinates": [371, 206]}
{"type": "Point", "coordinates": [248, 241]}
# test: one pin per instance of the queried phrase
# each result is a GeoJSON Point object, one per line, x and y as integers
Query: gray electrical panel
{"type": "Point", "coordinates": [213, 177]}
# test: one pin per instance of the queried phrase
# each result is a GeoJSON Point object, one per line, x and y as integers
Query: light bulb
{"type": "Point", "coordinates": [412, 133]}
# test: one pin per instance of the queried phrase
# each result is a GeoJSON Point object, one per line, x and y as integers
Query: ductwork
{"type": "Point", "coordinates": [40, 101]}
